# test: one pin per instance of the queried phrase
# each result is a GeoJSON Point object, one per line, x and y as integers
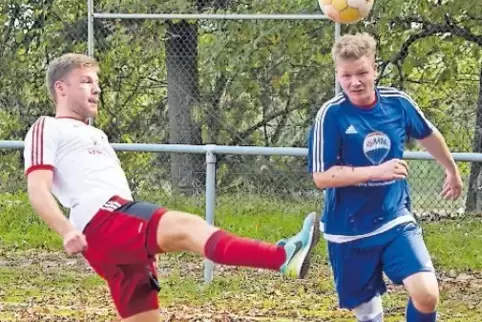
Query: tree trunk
{"type": "Point", "coordinates": [474, 195]}
{"type": "Point", "coordinates": [187, 170]}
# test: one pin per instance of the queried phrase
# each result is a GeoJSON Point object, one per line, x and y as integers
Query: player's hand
{"type": "Point", "coordinates": [452, 188]}
{"type": "Point", "coordinates": [391, 170]}
{"type": "Point", "coordinates": [74, 242]}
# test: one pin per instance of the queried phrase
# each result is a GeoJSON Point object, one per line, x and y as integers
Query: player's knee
{"type": "Point", "coordinates": [426, 300]}
{"type": "Point", "coordinates": [424, 292]}
{"type": "Point", "coordinates": [371, 311]}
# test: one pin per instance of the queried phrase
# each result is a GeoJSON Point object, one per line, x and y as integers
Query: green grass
{"type": "Point", "coordinates": [455, 244]}
{"type": "Point", "coordinates": [267, 219]}
{"type": "Point", "coordinates": [38, 282]}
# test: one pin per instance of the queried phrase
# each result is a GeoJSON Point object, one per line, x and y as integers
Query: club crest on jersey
{"type": "Point", "coordinates": [97, 149]}
{"type": "Point", "coordinates": [376, 147]}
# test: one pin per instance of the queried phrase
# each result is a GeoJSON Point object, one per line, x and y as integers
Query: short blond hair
{"type": "Point", "coordinates": [353, 47]}
{"type": "Point", "coordinates": [63, 65]}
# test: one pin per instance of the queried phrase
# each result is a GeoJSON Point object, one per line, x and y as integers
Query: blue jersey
{"type": "Point", "coordinates": [344, 134]}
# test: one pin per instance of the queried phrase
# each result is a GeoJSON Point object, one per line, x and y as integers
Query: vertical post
{"type": "Point", "coordinates": [90, 27]}
{"type": "Point", "coordinates": [337, 36]}
{"type": "Point", "coordinates": [210, 203]}
{"type": "Point", "coordinates": [90, 35]}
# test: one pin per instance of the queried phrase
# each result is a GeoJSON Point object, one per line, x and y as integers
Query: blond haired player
{"type": "Point", "coordinates": [355, 153]}
{"type": "Point", "coordinates": [68, 159]}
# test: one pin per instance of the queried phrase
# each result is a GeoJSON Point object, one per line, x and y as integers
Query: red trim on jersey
{"type": "Point", "coordinates": [369, 105]}
{"type": "Point", "coordinates": [39, 167]}
{"type": "Point", "coordinates": [72, 118]}
{"type": "Point", "coordinates": [38, 143]}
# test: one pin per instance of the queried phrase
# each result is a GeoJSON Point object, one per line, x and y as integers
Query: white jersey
{"type": "Point", "coordinates": [86, 170]}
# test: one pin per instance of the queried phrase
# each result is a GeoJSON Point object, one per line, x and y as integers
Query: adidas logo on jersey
{"type": "Point", "coordinates": [351, 130]}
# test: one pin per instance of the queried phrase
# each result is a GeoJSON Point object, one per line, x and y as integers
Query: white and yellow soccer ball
{"type": "Point", "coordinates": [346, 11]}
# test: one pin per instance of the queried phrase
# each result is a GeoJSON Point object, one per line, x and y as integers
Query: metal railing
{"type": "Point", "coordinates": [212, 150]}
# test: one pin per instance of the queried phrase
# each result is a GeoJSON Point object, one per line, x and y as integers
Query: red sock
{"type": "Point", "coordinates": [228, 249]}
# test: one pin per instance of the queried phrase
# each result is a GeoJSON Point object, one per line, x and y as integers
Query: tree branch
{"type": "Point", "coordinates": [243, 135]}
{"type": "Point", "coordinates": [277, 133]}
{"type": "Point", "coordinates": [428, 29]}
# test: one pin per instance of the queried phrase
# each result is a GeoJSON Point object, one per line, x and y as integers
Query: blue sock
{"type": "Point", "coordinates": [414, 315]}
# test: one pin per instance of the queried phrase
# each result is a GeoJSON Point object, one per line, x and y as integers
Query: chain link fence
{"type": "Point", "coordinates": [240, 82]}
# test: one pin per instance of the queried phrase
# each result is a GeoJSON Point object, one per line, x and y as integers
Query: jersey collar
{"type": "Point", "coordinates": [73, 118]}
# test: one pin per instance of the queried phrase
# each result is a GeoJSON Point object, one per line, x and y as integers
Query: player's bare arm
{"type": "Point", "coordinates": [39, 185]}
{"type": "Point", "coordinates": [342, 176]}
{"type": "Point", "coordinates": [435, 145]}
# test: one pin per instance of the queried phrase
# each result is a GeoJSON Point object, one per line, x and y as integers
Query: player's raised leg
{"type": "Point", "coordinates": [413, 267]}
{"type": "Point", "coordinates": [424, 296]}
{"type": "Point", "coordinates": [179, 231]}
{"type": "Point", "coordinates": [137, 231]}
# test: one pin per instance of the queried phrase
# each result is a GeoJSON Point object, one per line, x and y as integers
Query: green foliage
{"type": "Point", "coordinates": [435, 50]}
{"type": "Point", "coordinates": [259, 82]}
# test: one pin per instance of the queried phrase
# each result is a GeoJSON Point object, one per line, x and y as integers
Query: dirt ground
{"type": "Point", "coordinates": [52, 287]}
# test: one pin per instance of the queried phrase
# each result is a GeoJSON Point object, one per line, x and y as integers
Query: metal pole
{"type": "Point", "coordinates": [237, 150]}
{"type": "Point", "coordinates": [90, 35]}
{"type": "Point", "coordinates": [210, 203]}
{"type": "Point", "coordinates": [272, 16]}
{"type": "Point", "coordinates": [337, 36]}
{"type": "Point", "coordinates": [90, 27]}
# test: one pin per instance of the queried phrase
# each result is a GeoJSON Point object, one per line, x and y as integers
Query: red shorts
{"type": "Point", "coordinates": [121, 248]}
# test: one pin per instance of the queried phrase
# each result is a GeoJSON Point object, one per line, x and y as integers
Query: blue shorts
{"type": "Point", "coordinates": [358, 266]}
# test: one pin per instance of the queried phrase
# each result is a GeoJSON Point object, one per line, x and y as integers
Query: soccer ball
{"type": "Point", "coordinates": [346, 11]}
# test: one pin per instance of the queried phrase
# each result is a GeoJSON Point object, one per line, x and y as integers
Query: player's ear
{"type": "Point", "coordinates": [59, 87]}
